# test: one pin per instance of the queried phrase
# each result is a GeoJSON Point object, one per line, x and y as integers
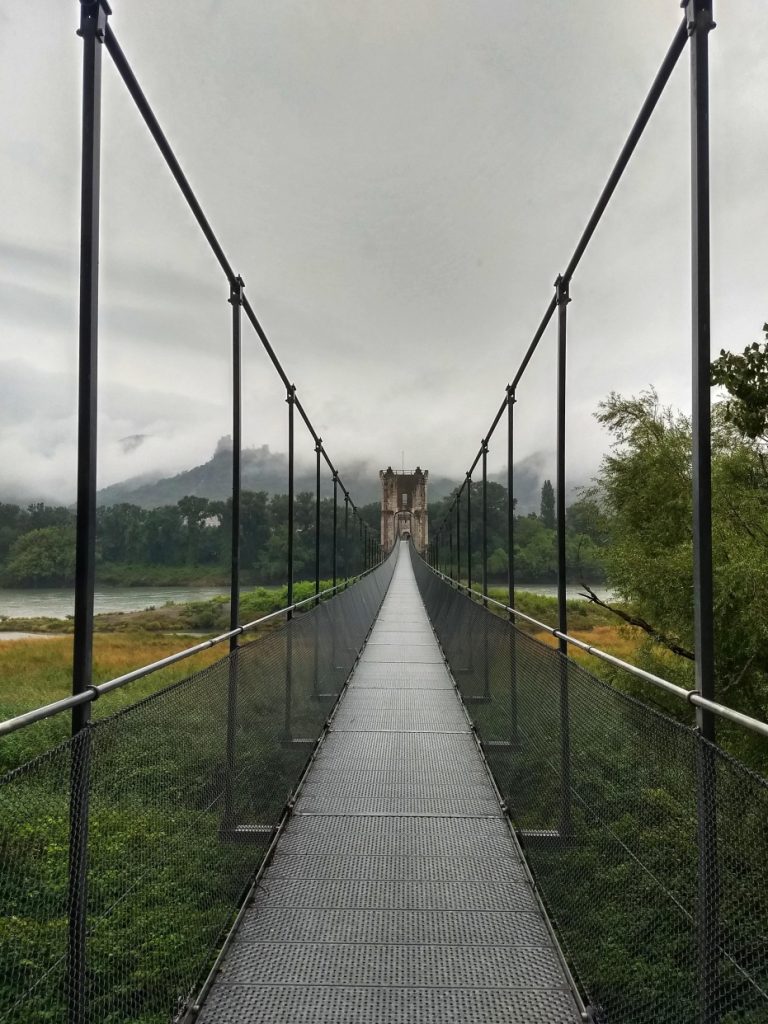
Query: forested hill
{"type": "Point", "coordinates": [265, 470]}
{"type": "Point", "coordinates": [262, 470]}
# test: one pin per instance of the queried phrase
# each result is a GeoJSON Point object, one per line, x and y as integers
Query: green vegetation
{"type": "Point", "coordinates": [176, 617]}
{"type": "Point", "coordinates": [177, 784]}
{"type": "Point", "coordinates": [645, 487]}
{"type": "Point", "coordinates": [535, 537]}
{"type": "Point", "coordinates": [36, 672]}
{"type": "Point", "coordinates": [186, 543]}
{"type": "Point", "coordinates": [630, 931]}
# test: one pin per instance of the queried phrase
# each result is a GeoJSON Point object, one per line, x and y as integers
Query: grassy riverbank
{"type": "Point", "coordinates": [34, 673]}
{"type": "Point", "coordinates": [171, 617]}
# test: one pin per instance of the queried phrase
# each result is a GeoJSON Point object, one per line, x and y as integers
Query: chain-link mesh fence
{"type": "Point", "coordinates": [649, 846]}
{"type": "Point", "coordinates": [172, 802]}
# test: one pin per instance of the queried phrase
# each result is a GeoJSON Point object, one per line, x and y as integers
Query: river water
{"type": "Point", "coordinates": [58, 603]}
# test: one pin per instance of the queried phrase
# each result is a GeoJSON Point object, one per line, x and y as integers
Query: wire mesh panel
{"type": "Point", "coordinates": [649, 845]}
{"type": "Point", "coordinates": [175, 799]}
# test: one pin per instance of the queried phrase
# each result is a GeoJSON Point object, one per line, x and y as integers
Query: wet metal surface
{"type": "Point", "coordinates": [397, 893]}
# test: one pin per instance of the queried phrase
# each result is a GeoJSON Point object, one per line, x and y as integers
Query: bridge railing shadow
{"type": "Point", "coordinates": [186, 791]}
{"type": "Point", "coordinates": [606, 803]}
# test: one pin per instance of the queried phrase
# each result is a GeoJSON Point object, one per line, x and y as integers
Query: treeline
{"type": "Point", "coordinates": [191, 540]}
{"type": "Point", "coordinates": [535, 537]}
{"type": "Point", "coordinates": [37, 543]}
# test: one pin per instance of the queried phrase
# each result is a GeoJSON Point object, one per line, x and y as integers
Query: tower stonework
{"type": "Point", "coordinates": [404, 507]}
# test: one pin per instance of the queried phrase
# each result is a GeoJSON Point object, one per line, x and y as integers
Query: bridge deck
{"type": "Point", "coordinates": [397, 893]}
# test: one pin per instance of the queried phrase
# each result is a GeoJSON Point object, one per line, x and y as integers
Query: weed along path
{"type": "Point", "coordinates": [397, 892]}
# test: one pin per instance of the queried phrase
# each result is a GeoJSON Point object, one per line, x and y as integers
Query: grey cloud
{"type": "Point", "coordinates": [399, 184]}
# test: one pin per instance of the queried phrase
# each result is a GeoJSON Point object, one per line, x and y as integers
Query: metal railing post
{"type": "Point", "coordinates": [236, 301]}
{"type": "Point", "coordinates": [484, 449]}
{"type": "Point", "coordinates": [93, 24]}
{"type": "Point", "coordinates": [346, 536]}
{"type": "Point", "coordinates": [511, 560]}
{"type": "Point", "coordinates": [318, 452]}
{"type": "Point", "coordinates": [316, 624]}
{"type": "Point", "coordinates": [563, 298]}
{"type": "Point", "coordinates": [291, 400]}
{"type": "Point", "coordinates": [699, 24]}
{"type": "Point", "coordinates": [469, 531]}
{"type": "Point", "coordinates": [458, 538]}
{"type": "Point", "coordinates": [334, 542]}
{"type": "Point", "coordinates": [486, 649]}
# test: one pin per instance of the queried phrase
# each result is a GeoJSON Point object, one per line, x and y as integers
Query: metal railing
{"type": "Point", "coordinates": [97, 690]}
{"type": "Point", "coordinates": [356, 552]}
{"type": "Point", "coordinates": [692, 697]}
{"type": "Point", "coordinates": [171, 805]}
{"type": "Point", "coordinates": [694, 32]}
{"type": "Point", "coordinates": [452, 563]}
{"type": "Point", "coordinates": [647, 842]}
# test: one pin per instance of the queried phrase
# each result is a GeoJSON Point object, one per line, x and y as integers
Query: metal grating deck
{"type": "Point", "coordinates": [397, 894]}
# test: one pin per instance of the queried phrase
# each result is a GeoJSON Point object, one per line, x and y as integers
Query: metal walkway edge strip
{"type": "Point", "coordinates": [397, 892]}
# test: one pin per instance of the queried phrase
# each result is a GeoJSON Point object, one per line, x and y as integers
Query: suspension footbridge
{"type": "Point", "coordinates": [387, 801]}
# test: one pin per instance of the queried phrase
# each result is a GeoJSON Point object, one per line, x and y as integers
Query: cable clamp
{"type": "Point", "coordinates": [236, 291]}
{"type": "Point", "coordinates": [698, 16]}
{"type": "Point", "coordinates": [562, 291]}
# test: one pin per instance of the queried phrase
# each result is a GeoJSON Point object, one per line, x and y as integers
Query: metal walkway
{"type": "Point", "coordinates": [397, 893]}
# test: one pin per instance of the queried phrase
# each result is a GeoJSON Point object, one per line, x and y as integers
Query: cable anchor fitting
{"type": "Point", "coordinates": [93, 19]}
{"type": "Point", "coordinates": [236, 289]}
{"type": "Point", "coordinates": [698, 16]}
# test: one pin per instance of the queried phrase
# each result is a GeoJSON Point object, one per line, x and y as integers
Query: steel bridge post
{"type": "Point", "coordinates": [316, 625]}
{"type": "Point", "coordinates": [469, 532]}
{"type": "Point", "coordinates": [346, 536]}
{"type": "Point", "coordinates": [334, 542]}
{"type": "Point", "coordinates": [334, 574]}
{"type": "Point", "coordinates": [486, 649]}
{"type": "Point", "coordinates": [318, 452]}
{"type": "Point", "coordinates": [291, 400]}
{"type": "Point", "coordinates": [511, 560]}
{"type": "Point", "coordinates": [699, 23]}
{"type": "Point", "coordinates": [563, 298]}
{"type": "Point", "coordinates": [484, 449]}
{"type": "Point", "coordinates": [236, 301]}
{"type": "Point", "coordinates": [458, 538]}
{"type": "Point", "coordinates": [93, 23]}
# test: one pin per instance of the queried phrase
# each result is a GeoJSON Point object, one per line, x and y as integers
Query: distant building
{"type": "Point", "coordinates": [404, 507]}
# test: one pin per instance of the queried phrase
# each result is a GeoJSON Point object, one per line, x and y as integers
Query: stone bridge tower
{"type": "Point", "coordinates": [404, 507]}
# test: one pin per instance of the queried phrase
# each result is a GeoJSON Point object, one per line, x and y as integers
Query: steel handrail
{"type": "Point", "coordinates": [690, 696]}
{"type": "Point", "coordinates": [95, 691]}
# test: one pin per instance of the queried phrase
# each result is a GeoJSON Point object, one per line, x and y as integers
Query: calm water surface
{"type": "Point", "coordinates": [571, 591]}
{"type": "Point", "coordinates": [58, 603]}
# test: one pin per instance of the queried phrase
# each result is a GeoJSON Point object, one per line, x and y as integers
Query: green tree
{"type": "Point", "coordinates": [745, 377]}
{"type": "Point", "coordinates": [645, 485]}
{"type": "Point", "coordinates": [548, 505]}
{"type": "Point", "coordinates": [43, 558]}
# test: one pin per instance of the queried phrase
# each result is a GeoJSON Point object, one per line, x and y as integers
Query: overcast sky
{"type": "Point", "coordinates": [399, 183]}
